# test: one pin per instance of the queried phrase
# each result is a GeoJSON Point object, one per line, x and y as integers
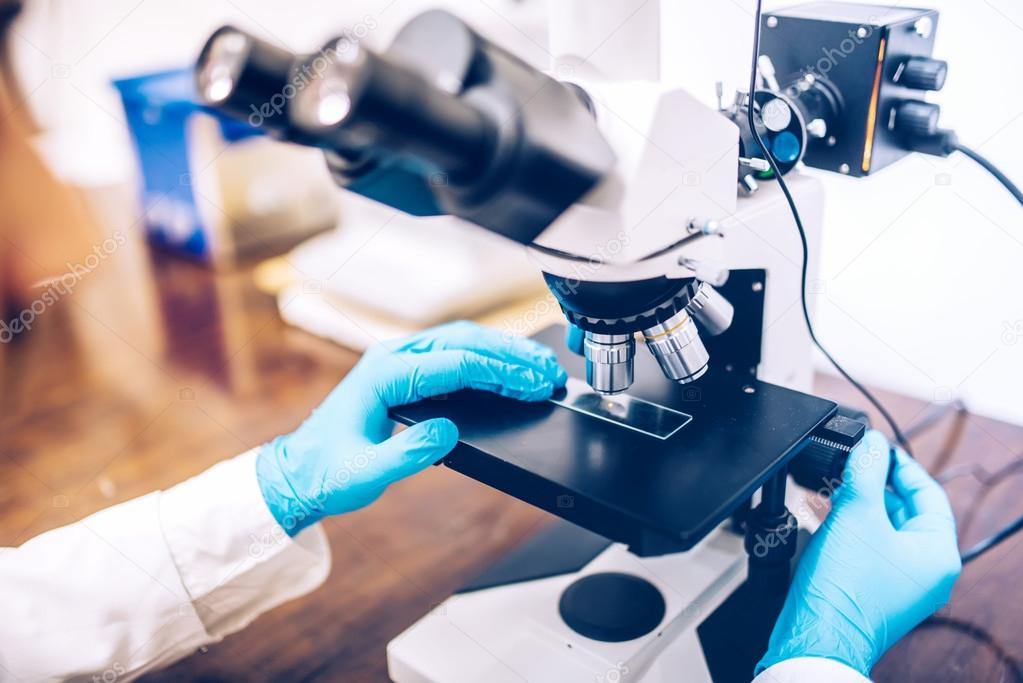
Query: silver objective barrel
{"type": "Point", "coordinates": [609, 359]}
{"type": "Point", "coordinates": [677, 346]}
{"type": "Point", "coordinates": [712, 311]}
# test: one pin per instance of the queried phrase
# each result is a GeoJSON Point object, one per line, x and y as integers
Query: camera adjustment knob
{"type": "Point", "coordinates": [923, 73]}
{"type": "Point", "coordinates": [914, 118]}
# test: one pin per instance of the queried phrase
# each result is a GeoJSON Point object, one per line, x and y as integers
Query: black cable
{"type": "Point", "coordinates": [986, 478]}
{"type": "Point", "coordinates": [1005, 532]}
{"type": "Point", "coordinates": [948, 144]}
{"type": "Point", "coordinates": [896, 431]}
{"type": "Point", "coordinates": [992, 169]}
{"type": "Point", "coordinates": [991, 541]}
{"type": "Point", "coordinates": [936, 415]}
{"type": "Point", "coordinates": [980, 636]}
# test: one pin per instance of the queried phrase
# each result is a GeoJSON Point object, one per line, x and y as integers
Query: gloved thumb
{"type": "Point", "coordinates": [927, 503]}
{"type": "Point", "coordinates": [866, 470]}
{"type": "Point", "coordinates": [416, 448]}
{"type": "Point", "coordinates": [574, 339]}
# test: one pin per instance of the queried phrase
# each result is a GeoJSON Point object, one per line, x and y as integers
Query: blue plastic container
{"type": "Point", "coordinates": [158, 107]}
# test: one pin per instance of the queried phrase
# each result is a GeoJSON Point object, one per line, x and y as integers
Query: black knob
{"type": "Point", "coordinates": [819, 465]}
{"type": "Point", "coordinates": [917, 119]}
{"type": "Point", "coordinates": [924, 73]}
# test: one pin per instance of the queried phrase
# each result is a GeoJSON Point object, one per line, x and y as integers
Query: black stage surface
{"type": "Point", "coordinates": [655, 495]}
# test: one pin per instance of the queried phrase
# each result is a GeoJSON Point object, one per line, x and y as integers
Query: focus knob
{"type": "Point", "coordinates": [924, 73]}
{"type": "Point", "coordinates": [819, 466]}
{"type": "Point", "coordinates": [917, 119]}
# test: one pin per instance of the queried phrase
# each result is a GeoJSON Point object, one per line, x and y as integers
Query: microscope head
{"type": "Point", "coordinates": [445, 122]}
{"type": "Point", "coordinates": [442, 122]}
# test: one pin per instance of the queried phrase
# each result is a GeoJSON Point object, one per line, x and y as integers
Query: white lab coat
{"type": "Point", "coordinates": [143, 584]}
{"type": "Point", "coordinates": [810, 670]}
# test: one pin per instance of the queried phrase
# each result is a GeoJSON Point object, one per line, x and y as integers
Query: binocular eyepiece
{"type": "Point", "coordinates": [345, 99]}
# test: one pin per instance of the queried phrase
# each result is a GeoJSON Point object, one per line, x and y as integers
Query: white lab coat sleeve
{"type": "Point", "coordinates": [142, 584]}
{"type": "Point", "coordinates": [810, 670]}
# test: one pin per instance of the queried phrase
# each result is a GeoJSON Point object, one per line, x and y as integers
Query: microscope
{"type": "Point", "coordinates": [667, 469]}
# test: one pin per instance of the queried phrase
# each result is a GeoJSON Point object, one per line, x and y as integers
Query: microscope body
{"type": "Point", "coordinates": [622, 189]}
{"type": "Point", "coordinates": [617, 184]}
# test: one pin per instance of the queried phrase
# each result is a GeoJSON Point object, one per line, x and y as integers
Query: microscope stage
{"type": "Point", "coordinates": [658, 495]}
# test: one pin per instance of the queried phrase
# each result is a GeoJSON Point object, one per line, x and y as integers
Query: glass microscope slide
{"type": "Point", "coordinates": [623, 410]}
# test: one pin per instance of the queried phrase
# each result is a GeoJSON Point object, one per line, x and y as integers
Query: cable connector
{"type": "Point", "coordinates": [941, 144]}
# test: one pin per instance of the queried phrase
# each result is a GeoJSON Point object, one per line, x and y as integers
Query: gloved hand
{"type": "Point", "coordinates": [881, 563]}
{"type": "Point", "coordinates": [574, 337]}
{"type": "Point", "coordinates": [341, 459]}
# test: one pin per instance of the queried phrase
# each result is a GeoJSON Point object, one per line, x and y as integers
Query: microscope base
{"type": "Point", "coordinates": [512, 631]}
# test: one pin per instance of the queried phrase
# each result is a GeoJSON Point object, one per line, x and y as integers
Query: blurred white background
{"type": "Point", "coordinates": [922, 273]}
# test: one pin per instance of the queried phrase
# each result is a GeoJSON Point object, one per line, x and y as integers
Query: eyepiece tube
{"type": "Point", "coordinates": [359, 100]}
{"type": "Point", "coordinates": [244, 77]}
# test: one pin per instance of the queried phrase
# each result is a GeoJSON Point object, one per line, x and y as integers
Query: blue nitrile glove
{"type": "Point", "coordinates": [880, 564]}
{"type": "Point", "coordinates": [343, 456]}
{"type": "Point", "coordinates": [574, 339]}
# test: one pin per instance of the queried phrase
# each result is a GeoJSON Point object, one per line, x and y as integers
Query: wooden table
{"type": "Point", "coordinates": [156, 369]}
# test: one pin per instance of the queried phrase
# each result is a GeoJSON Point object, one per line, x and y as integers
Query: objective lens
{"type": "Point", "coordinates": [677, 346]}
{"type": "Point", "coordinates": [609, 359]}
{"type": "Point", "coordinates": [712, 311]}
